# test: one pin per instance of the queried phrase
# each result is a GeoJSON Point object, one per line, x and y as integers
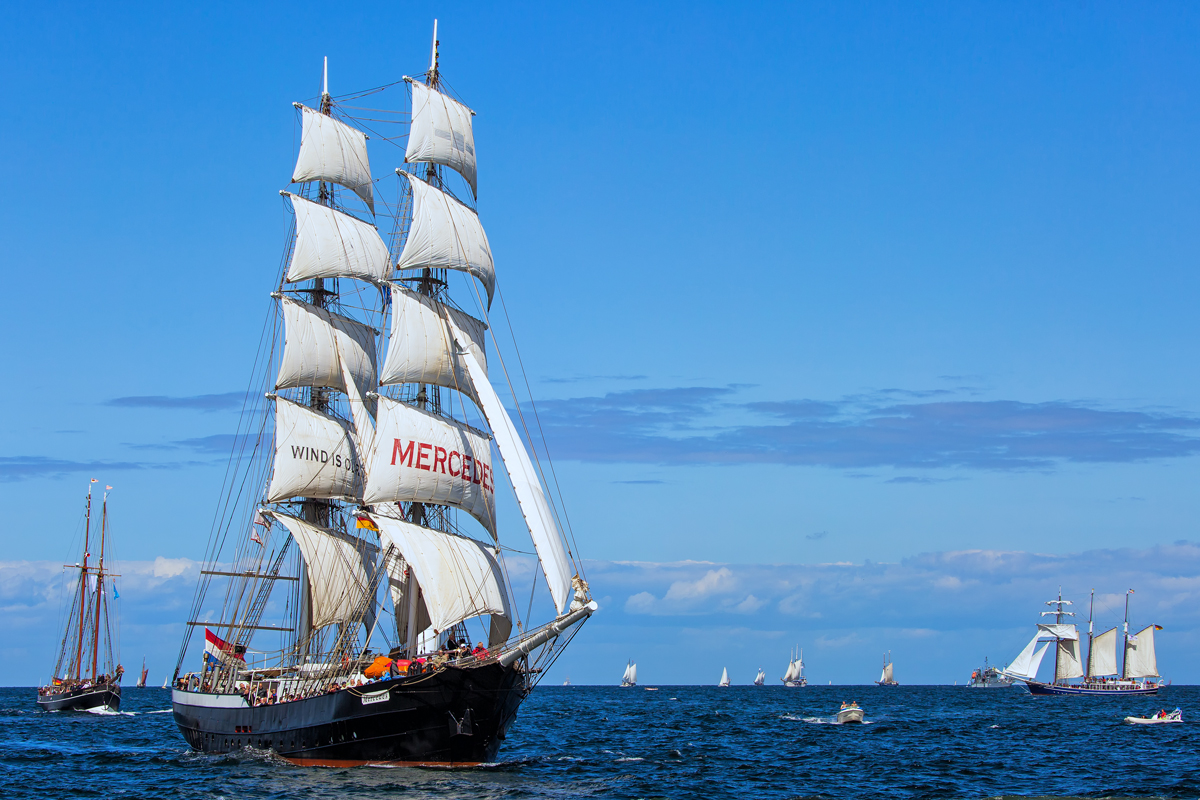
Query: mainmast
{"type": "Point", "coordinates": [99, 583]}
{"type": "Point", "coordinates": [1125, 638]}
{"type": "Point", "coordinates": [83, 572]}
{"type": "Point", "coordinates": [1091, 615]}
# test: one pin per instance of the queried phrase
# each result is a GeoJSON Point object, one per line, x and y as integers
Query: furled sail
{"type": "Point", "coordinates": [333, 151]}
{"type": "Point", "coordinates": [421, 457]}
{"type": "Point", "coordinates": [441, 132]}
{"type": "Point", "coordinates": [1102, 657]}
{"type": "Point", "coordinates": [317, 342]}
{"type": "Point", "coordinates": [330, 244]}
{"type": "Point", "coordinates": [445, 234]}
{"type": "Point", "coordinates": [1059, 631]}
{"type": "Point", "coordinates": [422, 347]}
{"type": "Point", "coordinates": [542, 529]}
{"type": "Point", "coordinates": [1140, 661]}
{"type": "Point", "coordinates": [314, 456]}
{"type": "Point", "coordinates": [1067, 664]}
{"type": "Point", "coordinates": [340, 572]}
{"type": "Point", "coordinates": [459, 577]}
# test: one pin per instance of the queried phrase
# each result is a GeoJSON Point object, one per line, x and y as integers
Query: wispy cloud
{"type": "Point", "coordinates": [582, 378]}
{"type": "Point", "coordinates": [18, 468]}
{"type": "Point", "coordinates": [706, 425]}
{"type": "Point", "coordinates": [199, 402]}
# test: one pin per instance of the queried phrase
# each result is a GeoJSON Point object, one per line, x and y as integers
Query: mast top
{"type": "Point", "coordinates": [433, 55]}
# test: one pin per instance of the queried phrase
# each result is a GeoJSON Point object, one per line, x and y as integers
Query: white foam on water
{"type": "Point", "coordinates": [630, 759]}
{"type": "Point", "coordinates": [105, 711]}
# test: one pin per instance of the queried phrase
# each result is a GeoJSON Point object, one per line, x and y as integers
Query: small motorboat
{"type": "Point", "coordinates": [1158, 719]}
{"type": "Point", "coordinates": [849, 712]}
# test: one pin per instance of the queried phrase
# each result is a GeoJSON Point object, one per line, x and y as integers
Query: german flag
{"type": "Point", "coordinates": [1158, 627]}
{"type": "Point", "coordinates": [365, 522]}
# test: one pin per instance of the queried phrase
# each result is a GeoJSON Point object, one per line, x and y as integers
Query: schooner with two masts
{"type": "Point", "coordinates": [1099, 672]}
{"type": "Point", "coordinates": [360, 508]}
{"type": "Point", "coordinates": [86, 675]}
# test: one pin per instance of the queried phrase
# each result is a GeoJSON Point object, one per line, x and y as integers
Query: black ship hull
{"type": "Point", "coordinates": [456, 716]}
{"type": "Point", "coordinates": [82, 699]}
{"type": "Point", "coordinates": [1094, 691]}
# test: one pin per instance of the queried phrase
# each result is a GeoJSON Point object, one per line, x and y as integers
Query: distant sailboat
{"type": "Point", "coordinates": [886, 678]}
{"type": "Point", "coordinates": [795, 672]}
{"type": "Point", "coordinates": [630, 676]}
{"type": "Point", "coordinates": [166, 681]}
{"type": "Point", "coordinates": [567, 682]}
{"type": "Point", "coordinates": [141, 683]}
{"type": "Point", "coordinates": [760, 678]}
{"type": "Point", "coordinates": [724, 677]}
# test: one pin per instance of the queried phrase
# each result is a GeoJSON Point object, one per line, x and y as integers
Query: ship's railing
{"type": "Point", "coordinates": [306, 680]}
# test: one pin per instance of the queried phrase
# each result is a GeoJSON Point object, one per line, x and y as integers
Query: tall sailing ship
{"type": "Point", "coordinates": [86, 675]}
{"type": "Point", "coordinates": [887, 677]}
{"type": "Point", "coordinates": [761, 678]}
{"type": "Point", "coordinates": [1099, 672]}
{"type": "Point", "coordinates": [794, 676]}
{"type": "Point", "coordinates": [355, 555]}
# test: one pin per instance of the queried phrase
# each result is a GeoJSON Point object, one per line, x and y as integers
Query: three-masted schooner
{"type": "Point", "coordinates": [86, 675]}
{"type": "Point", "coordinates": [793, 677]}
{"type": "Point", "coordinates": [342, 512]}
{"type": "Point", "coordinates": [1099, 673]}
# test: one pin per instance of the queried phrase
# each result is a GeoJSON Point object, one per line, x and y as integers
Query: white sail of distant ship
{"type": "Point", "coordinates": [630, 676]}
{"type": "Point", "coordinates": [761, 677]}
{"type": "Point", "coordinates": [887, 677]}
{"type": "Point", "coordinates": [724, 677]}
{"type": "Point", "coordinates": [370, 464]}
{"type": "Point", "coordinates": [1099, 671]}
{"type": "Point", "coordinates": [794, 676]}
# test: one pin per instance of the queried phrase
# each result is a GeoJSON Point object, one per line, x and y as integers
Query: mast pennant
{"type": "Point", "coordinates": [332, 151]}
{"type": "Point", "coordinates": [315, 456]}
{"type": "Point", "coordinates": [545, 534]}
{"type": "Point", "coordinates": [340, 572]}
{"type": "Point", "coordinates": [441, 132]}
{"type": "Point", "coordinates": [426, 341]}
{"type": "Point", "coordinates": [445, 234]}
{"type": "Point", "coordinates": [416, 456]}
{"type": "Point", "coordinates": [330, 244]}
{"type": "Point", "coordinates": [459, 576]}
{"type": "Point", "coordinates": [319, 347]}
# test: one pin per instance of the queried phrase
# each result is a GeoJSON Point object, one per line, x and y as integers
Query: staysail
{"type": "Point", "coordinates": [340, 570]}
{"type": "Point", "coordinates": [333, 151]}
{"type": "Point", "coordinates": [445, 234]}
{"type": "Point", "coordinates": [330, 244]}
{"type": "Point", "coordinates": [534, 507]}
{"type": "Point", "coordinates": [1140, 661]}
{"type": "Point", "coordinates": [315, 456]}
{"type": "Point", "coordinates": [421, 457]}
{"type": "Point", "coordinates": [441, 132]}
{"type": "Point", "coordinates": [459, 577]}
{"type": "Point", "coordinates": [422, 345]}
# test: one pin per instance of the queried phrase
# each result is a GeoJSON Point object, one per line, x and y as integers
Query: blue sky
{"type": "Point", "coordinates": [794, 284]}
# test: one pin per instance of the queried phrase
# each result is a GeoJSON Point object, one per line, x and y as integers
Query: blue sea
{"type": "Point", "coordinates": [677, 742]}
